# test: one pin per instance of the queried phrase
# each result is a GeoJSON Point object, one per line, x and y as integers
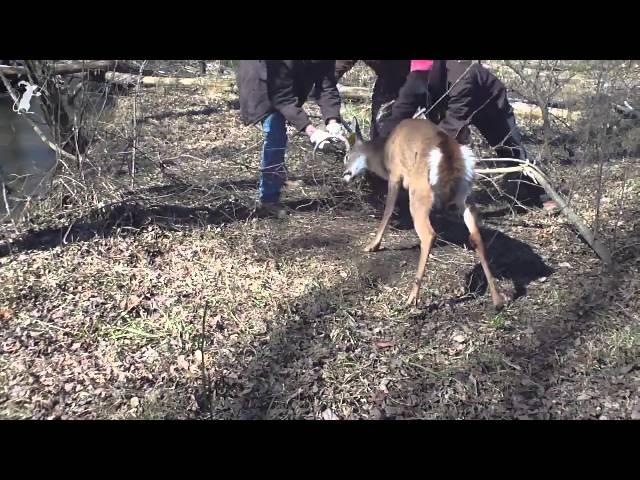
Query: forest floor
{"type": "Point", "coordinates": [173, 300]}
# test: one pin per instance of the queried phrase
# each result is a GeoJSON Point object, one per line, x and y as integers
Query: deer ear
{"type": "Point", "coordinates": [356, 129]}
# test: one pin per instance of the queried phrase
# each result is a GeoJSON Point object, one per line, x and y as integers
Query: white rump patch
{"type": "Point", "coordinates": [467, 180]}
{"type": "Point", "coordinates": [434, 165]}
{"type": "Point", "coordinates": [469, 162]}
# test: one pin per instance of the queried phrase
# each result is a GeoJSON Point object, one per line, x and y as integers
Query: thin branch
{"type": "Point", "coordinates": [35, 127]}
{"type": "Point", "coordinates": [586, 233]}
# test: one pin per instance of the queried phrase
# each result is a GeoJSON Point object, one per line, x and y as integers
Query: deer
{"type": "Point", "coordinates": [437, 171]}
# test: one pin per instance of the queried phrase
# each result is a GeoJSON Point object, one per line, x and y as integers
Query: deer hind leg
{"type": "Point", "coordinates": [392, 196]}
{"type": "Point", "coordinates": [420, 204]}
{"type": "Point", "coordinates": [476, 241]}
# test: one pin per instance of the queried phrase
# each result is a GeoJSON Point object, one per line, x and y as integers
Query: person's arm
{"type": "Point", "coordinates": [328, 98]}
{"type": "Point", "coordinates": [283, 95]}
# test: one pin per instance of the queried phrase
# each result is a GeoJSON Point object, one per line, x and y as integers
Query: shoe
{"type": "Point", "coordinates": [551, 207]}
{"type": "Point", "coordinates": [271, 209]}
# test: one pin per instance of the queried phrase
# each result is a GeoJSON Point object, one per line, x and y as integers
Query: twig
{"type": "Point", "coordinates": [206, 379]}
{"type": "Point", "coordinates": [135, 127]}
{"type": "Point", "coordinates": [486, 171]}
{"type": "Point", "coordinates": [6, 204]}
{"type": "Point", "coordinates": [35, 127]}
{"type": "Point", "coordinates": [536, 174]}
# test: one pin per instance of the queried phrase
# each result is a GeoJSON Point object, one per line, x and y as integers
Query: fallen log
{"type": "Point", "coordinates": [131, 80]}
{"type": "Point", "coordinates": [534, 111]}
{"type": "Point", "coordinates": [77, 67]}
{"type": "Point", "coordinates": [539, 177]}
{"type": "Point", "coordinates": [354, 93]}
{"type": "Point", "coordinates": [221, 84]}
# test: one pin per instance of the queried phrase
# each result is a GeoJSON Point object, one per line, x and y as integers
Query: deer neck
{"type": "Point", "coordinates": [375, 158]}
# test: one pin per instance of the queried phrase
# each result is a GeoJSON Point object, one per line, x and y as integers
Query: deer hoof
{"type": "Point", "coordinates": [412, 301]}
{"type": "Point", "coordinates": [500, 301]}
{"type": "Point", "coordinates": [372, 247]}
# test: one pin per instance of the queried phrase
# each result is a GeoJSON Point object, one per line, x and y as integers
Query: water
{"type": "Point", "coordinates": [26, 162]}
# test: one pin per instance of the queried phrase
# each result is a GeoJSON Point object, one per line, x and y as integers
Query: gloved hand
{"type": "Point", "coordinates": [327, 142]}
{"type": "Point", "coordinates": [335, 128]}
{"type": "Point", "coordinates": [319, 136]}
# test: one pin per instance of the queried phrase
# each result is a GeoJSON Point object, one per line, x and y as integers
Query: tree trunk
{"type": "Point", "coordinates": [53, 106]}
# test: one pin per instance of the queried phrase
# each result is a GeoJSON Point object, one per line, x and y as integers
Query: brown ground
{"type": "Point", "coordinates": [291, 318]}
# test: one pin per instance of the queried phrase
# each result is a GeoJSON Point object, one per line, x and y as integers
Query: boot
{"type": "Point", "coordinates": [270, 209]}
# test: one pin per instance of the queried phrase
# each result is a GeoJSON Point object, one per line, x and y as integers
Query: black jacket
{"type": "Point", "coordinates": [284, 85]}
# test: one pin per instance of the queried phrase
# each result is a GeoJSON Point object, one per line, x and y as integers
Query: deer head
{"type": "Point", "coordinates": [356, 159]}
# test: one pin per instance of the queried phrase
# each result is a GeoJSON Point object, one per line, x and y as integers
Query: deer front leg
{"type": "Point", "coordinates": [420, 204]}
{"type": "Point", "coordinates": [392, 196]}
{"type": "Point", "coordinates": [476, 241]}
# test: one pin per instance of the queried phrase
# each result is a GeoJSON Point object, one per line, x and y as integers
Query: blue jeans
{"type": "Point", "coordinates": [272, 169]}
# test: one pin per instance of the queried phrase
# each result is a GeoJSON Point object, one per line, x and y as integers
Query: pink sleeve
{"type": "Point", "coordinates": [421, 65]}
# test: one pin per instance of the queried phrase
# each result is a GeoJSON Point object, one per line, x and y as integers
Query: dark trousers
{"type": "Point", "coordinates": [480, 99]}
{"type": "Point", "coordinates": [385, 90]}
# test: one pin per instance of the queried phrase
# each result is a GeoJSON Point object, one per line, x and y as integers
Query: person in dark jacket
{"type": "Point", "coordinates": [425, 83]}
{"type": "Point", "coordinates": [272, 93]}
{"type": "Point", "coordinates": [471, 85]}
{"type": "Point", "coordinates": [459, 93]}
{"type": "Point", "coordinates": [479, 98]}
{"type": "Point", "coordinates": [456, 94]}
{"type": "Point", "coordinates": [390, 76]}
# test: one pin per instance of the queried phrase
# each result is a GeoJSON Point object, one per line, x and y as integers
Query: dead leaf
{"type": "Point", "coordinates": [635, 414]}
{"type": "Point", "coordinates": [134, 402]}
{"type": "Point", "coordinates": [511, 364]}
{"type": "Point", "coordinates": [383, 385]}
{"type": "Point", "coordinates": [564, 265]}
{"type": "Point", "coordinates": [459, 338]}
{"type": "Point", "coordinates": [385, 343]}
{"type": "Point", "coordinates": [5, 314]}
{"type": "Point", "coordinates": [376, 414]}
{"type": "Point", "coordinates": [551, 207]}
{"type": "Point", "coordinates": [182, 362]}
{"type": "Point", "coordinates": [329, 415]}
{"type": "Point", "coordinates": [133, 301]}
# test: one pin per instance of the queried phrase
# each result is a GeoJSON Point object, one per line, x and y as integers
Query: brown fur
{"type": "Point", "coordinates": [451, 169]}
{"type": "Point", "coordinates": [404, 160]}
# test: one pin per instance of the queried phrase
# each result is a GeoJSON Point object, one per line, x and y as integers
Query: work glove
{"type": "Point", "coordinates": [335, 128]}
{"type": "Point", "coordinates": [319, 137]}
{"type": "Point", "coordinates": [326, 142]}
